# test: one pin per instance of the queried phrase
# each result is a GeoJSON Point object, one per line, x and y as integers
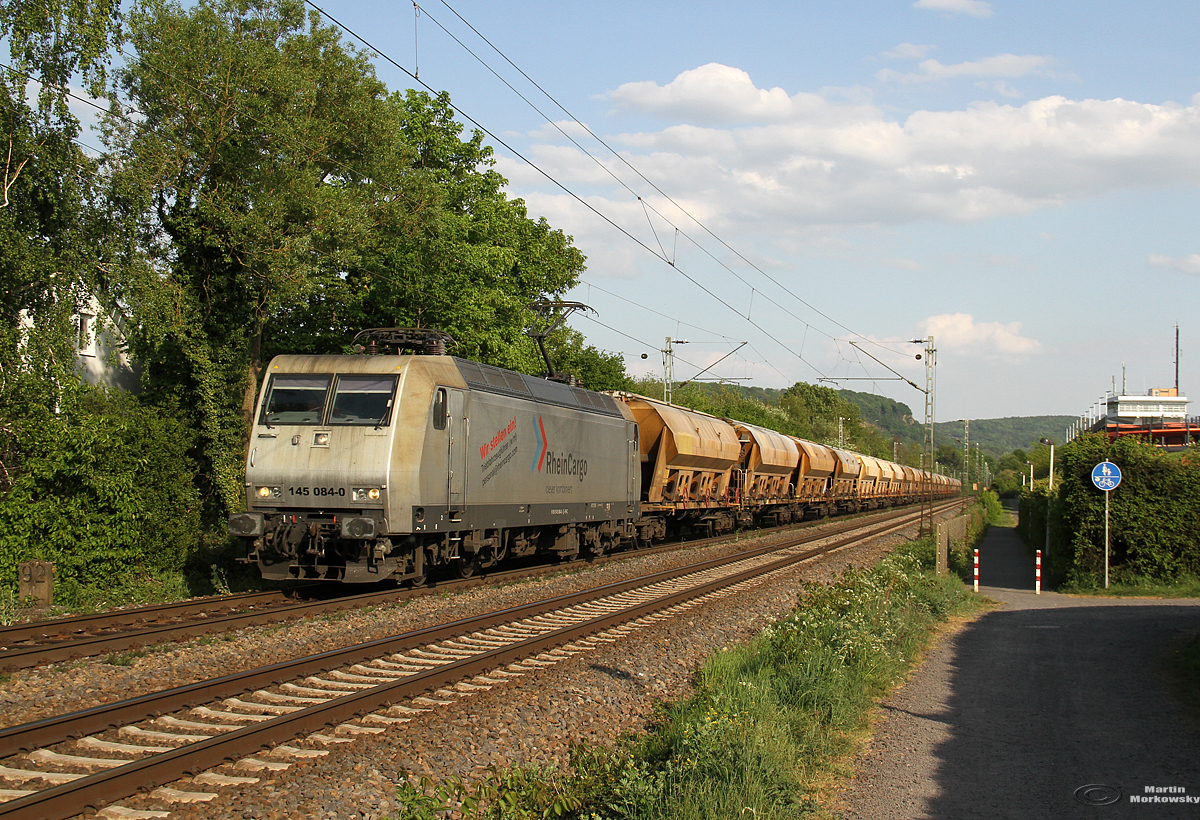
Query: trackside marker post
{"type": "Point", "coordinates": [1038, 583]}
{"type": "Point", "coordinates": [976, 570]}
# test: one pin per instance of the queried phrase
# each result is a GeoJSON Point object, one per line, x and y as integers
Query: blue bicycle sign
{"type": "Point", "coordinates": [1106, 476]}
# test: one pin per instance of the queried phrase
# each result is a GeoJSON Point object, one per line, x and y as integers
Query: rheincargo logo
{"type": "Point", "coordinates": [560, 463]}
{"type": "Point", "coordinates": [542, 446]}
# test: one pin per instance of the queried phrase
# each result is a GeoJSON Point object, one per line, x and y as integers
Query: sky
{"type": "Point", "coordinates": [1017, 179]}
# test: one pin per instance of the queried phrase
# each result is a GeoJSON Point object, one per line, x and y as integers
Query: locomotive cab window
{"type": "Point", "coordinates": [363, 399]}
{"type": "Point", "coordinates": [439, 409]}
{"type": "Point", "coordinates": [295, 399]}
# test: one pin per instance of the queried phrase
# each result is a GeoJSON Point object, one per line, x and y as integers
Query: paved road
{"type": "Point", "coordinates": [1033, 701]}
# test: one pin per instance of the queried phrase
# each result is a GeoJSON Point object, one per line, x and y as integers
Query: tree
{"type": "Point", "coordinates": [100, 483]}
{"type": "Point", "coordinates": [950, 457]}
{"type": "Point", "coordinates": [474, 261]}
{"type": "Point", "coordinates": [250, 177]}
{"type": "Point", "coordinates": [51, 231]}
{"type": "Point", "coordinates": [284, 201]}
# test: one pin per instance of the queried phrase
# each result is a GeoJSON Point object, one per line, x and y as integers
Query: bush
{"type": "Point", "coordinates": [1154, 516]}
{"type": "Point", "coordinates": [104, 488]}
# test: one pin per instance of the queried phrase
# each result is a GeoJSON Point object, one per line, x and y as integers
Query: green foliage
{"type": "Point", "coordinates": [127, 658]}
{"type": "Point", "coordinates": [518, 793]}
{"type": "Point", "coordinates": [283, 200]}
{"type": "Point", "coordinates": [104, 489]}
{"type": "Point", "coordinates": [893, 418]}
{"type": "Point", "coordinates": [242, 186]}
{"type": "Point", "coordinates": [53, 235]}
{"type": "Point", "coordinates": [993, 511]}
{"type": "Point", "coordinates": [270, 195]}
{"type": "Point", "coordinates": [1154, 516]}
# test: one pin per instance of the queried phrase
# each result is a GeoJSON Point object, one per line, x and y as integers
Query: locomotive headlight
{"type": "Point", "coordinates": [321, 439]}
{"type": "Point", "coordinates": [365, 494]}
{"type": "Point", "coordinates": [269, 492]}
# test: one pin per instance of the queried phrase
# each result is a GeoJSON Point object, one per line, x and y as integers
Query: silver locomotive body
{"type": "Point", "coordinates": [373, 466]}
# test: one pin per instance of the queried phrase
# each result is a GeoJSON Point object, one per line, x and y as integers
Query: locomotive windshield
{"type": "Point", "coordinates": [295, 399]}
{"type": "Point", "coordinates": [362, 400]}
{"type": "Point", "coordinates": [301, 399]}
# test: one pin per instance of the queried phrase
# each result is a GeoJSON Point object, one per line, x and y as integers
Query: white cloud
{"type": "Point", "coordinates": [1000, 65]}
{"type": "Point", "coordinates": [1000, 87]}
{"type": "Point", "coordinates": [710, 93]}
{"type": "Point", "coordinates": [792, 166]}
{"type": "Point", "coordinates": [959, 332]}
{"type": "Point", "coordinates": [908, 51]}
{"type": "Point", "coordinates": [1184, 264]}
{"type": "Point", "coordinates": [975, 8]}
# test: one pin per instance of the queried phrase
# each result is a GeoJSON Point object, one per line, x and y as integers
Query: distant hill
{"type": "Point", "coordinates": [994, 436]}
{"type": "Point", "coordinates": [1000, 436]}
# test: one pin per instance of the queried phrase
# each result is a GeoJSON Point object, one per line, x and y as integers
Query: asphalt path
{"type": "Point", "coordinates": [1047, 707]}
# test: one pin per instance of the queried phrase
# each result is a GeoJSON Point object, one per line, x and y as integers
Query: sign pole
{"type": "Point", "coordinates": [1106, 492]}
{"type": "Point", "coordinates": [1107, 477]}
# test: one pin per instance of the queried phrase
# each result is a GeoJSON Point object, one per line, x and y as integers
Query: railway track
{"type": "Point", "coordinates": [94, 757]}
{"type": "Point", "coordinates": [58, 640]}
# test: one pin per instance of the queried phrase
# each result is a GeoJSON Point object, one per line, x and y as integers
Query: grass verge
{"type": "Point", "coordinates": [1133, 586]}
{"type": "Point", "coordinates": [767, 729]}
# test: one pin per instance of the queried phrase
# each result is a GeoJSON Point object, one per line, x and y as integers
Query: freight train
{"type": "Point", "coordinates": [400, 459]}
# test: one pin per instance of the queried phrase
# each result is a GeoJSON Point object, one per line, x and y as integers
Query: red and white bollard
{"type": "Point", "coordinates": [1038, 583]}
{"type": "Point", "coordinates": [976, 570]}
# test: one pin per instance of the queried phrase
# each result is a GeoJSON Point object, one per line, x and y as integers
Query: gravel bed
{"type": "Point", "coordinates": [536, 719]}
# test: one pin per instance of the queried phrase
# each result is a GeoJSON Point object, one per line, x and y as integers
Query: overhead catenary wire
{"type": "Point", "coordinates": [645, 204]}
{"type": "Point", "coordinates": [625, 162]}
{"type": "Point", "coordinates": [125, 111]}
{"type": "Point", "coordinates": [578, 198]}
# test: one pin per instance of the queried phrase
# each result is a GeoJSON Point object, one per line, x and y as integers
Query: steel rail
{"type": "Point", "coordinates": [99, 789]}
{"type": "Point", "coordinates": [137, 634]}
{"type": "Point", "coordinates": [33, 630]}
{"type": "Point", "coordinates": [42, 733]}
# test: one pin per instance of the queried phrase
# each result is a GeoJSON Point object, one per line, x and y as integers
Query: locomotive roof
{"type": "Point", "coordinates": [477, 376]}
{"type": "Point", "coordinates": [510, 383]}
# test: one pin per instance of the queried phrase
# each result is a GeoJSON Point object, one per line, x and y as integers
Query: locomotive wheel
{"type": "Point", "coordinates": [466, 567]}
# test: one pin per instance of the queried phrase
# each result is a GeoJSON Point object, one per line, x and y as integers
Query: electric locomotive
{"type": "Point", "coordinates": [372, 466]}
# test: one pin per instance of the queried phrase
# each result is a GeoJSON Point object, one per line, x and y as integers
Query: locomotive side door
{"type": "Point", "coordinates": [457, 429]}
{"type": "Point", "coordinates": [634, 464]}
